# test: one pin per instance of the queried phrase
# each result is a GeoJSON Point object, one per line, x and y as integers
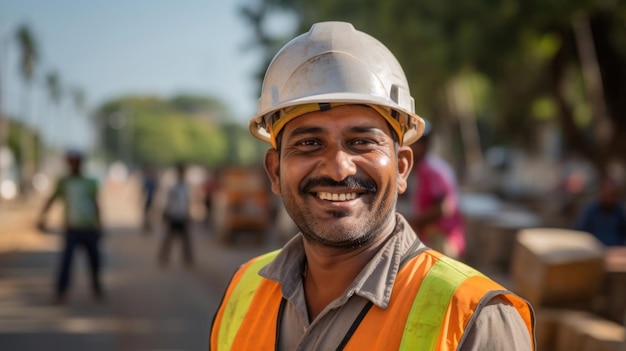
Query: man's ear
{"type": "Point", "coordinates": [272, 167]}
{"type": "Point", "coordinates": [405, 164]}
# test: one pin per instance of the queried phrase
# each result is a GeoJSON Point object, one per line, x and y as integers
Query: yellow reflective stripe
{"type": "Point", "coordinates": [237, 305]}
{"type": "Point", "coordinates": [425, 319]}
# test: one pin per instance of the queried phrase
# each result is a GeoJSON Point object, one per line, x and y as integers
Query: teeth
{"type": "Point", "coordinates": [336, 197]}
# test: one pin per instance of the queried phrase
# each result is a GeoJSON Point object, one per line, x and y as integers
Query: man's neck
{"type": "Point", "coordinates": [329, 272]}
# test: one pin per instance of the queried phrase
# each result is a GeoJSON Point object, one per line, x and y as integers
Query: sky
{"type": "Point", "coordinates": [109, 48]}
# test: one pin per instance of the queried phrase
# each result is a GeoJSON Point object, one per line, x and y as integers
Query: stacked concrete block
{"type": "Point", "coordinates": [588, 332]}
{"type": "Point", "coordinates": [490, 230]}
{"type": "Point", "coordinates": [477, 210]}
{"type": "Point", "coordinates": [614, 291]}
{"type": "Point", "coordinates": [557, 267]}
{"type": "Point", "coordinates": [624, 342]}
{"type": "Point", "coordinates": [546, 325]}
{"type": "Point", "coordinates": [572, 330]}
{"type": "Point", "coordinates": [498, 237]}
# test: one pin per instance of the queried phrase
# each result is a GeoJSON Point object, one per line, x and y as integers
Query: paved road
{"type": "Point", "coordinates": [147, 307]}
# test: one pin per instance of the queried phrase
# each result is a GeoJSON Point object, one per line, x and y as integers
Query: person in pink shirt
{"type": "Point", "coordinates": [437, 218]}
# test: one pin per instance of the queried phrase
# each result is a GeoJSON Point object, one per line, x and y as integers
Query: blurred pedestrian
{"type": "Point", "coordinates": [176, 217]}
{"type": "Point", "coordinates": [209, 186]}
{"type": "Point", "coordinates": [604, 216]}
{"type": "Point", "coordinates": [437, 217]}
{"type": "Point", "coordinates": [149, 186]}
{"type": "Point", "coordinates": [82, 224]}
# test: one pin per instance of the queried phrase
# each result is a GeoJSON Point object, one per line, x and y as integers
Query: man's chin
{"type": "Point", "coordinates": [344, 236]}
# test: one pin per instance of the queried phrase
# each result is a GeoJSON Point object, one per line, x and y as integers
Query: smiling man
{"type": "Point", "coordinates": [336, 108]}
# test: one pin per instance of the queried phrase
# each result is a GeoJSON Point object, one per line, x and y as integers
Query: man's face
{"type": "Point", "coordinates": [339, 174]}
{"type": "Point", "coordinates": [74, 165]}
{"type": "Point", "coordinates": [609, 193]}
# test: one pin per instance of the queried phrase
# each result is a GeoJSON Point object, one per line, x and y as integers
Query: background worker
{"type": "Point", "coordinates": [177, 217]}
{"type": "Point", "coordinates": [149, 186]}
{"type": "Point", "coordinates": [604, 215]}
{"type": "Point", "coordinates": [82, 225]}
{"type": "Point", "coordinates": [336, 108]}
{"type": "Point", "coordinates": [437, 217]}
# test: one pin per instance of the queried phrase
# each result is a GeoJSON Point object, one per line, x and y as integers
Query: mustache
{"type": "Point", "coordinates": [353, 182]}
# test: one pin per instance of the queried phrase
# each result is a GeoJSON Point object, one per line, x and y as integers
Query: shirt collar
{"type": "Point", "coordinates": [376, 280]}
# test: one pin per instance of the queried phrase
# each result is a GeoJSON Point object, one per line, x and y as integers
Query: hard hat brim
{"type": "Point", "coordinates": [258, 128]}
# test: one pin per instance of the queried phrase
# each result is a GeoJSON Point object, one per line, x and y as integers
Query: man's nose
{"type": "Point", "coordinates": [339, 164]}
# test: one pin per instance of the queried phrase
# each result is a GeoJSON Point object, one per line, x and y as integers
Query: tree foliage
{"type": "Point", "coordinates": [16, 131]}
{"type": "Point", "coordinates": [526, 56]}
{"type": "Point", "coordinates": [187, 128]}
{"type": "Point", "coordinates": [28, 51]}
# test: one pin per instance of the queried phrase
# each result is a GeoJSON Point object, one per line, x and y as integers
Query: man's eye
{"type": "Point", "coordinates": [362, 142]}
{"type": "Point", "coordinates": [309, 142]}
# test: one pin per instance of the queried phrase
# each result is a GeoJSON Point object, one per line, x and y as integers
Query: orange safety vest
{"type": "Point", "coordinates": [434, 295]}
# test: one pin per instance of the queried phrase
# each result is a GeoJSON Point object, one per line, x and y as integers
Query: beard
{"type": "Point", "coordinates": [347, 230]}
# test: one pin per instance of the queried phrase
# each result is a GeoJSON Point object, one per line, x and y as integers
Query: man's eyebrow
{"type": "Point", "coordinates": [306, 130]}
{"type": "Point", "coordinates": [360, 129]}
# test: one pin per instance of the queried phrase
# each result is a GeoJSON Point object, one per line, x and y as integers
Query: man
{"type": "Point", "coordinates": [176, 216]}
{"type": "Point", "coordinates": [336, 109]}
{"type": "Point", "coordinates": [82, 224]}
{"type": "Point", "coordinates": [149, 186]}
{"type": "Point", "coordinates": [604, 216]}
{"type": "Point", "coordinates": [437, 218]}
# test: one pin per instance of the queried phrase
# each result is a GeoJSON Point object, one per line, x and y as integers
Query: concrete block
{"type": "Point", "coordinates": [557, 267]}
{"type": "Point", "coordinates": [614, 291]}
{"type": "Point", "coordinates": [570, 334]}
{"type": "Point", "coordinates": [546, 326]}
{"type": "Point", "coordinates": [603, 335]}
{"type": "Point", "coordinates": [499, 237]}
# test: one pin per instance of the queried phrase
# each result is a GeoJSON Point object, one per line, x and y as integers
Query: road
{"type": "Point", "coordinates": [147, 307]}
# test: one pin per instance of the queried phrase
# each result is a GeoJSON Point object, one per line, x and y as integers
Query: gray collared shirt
{"type": "Point", "coordinates": [498, 325]}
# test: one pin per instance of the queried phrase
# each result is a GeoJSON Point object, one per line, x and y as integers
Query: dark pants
{"type": "Point", "coordinates": [88, 240]}
{"type": "Point", "coordinates": [176, 229]}
{"type": "Point", "coordinates": [147, 207]}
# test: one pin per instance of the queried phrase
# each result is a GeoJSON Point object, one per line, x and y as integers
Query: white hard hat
{"type": "Point", "coordinates": [334, 64]}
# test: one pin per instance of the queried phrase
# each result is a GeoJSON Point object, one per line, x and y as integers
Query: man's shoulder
{"type": "Point", "coordinates": [82, 178]}
{"type": "Point", "coordinates": [448, 271]}
{"type": "Point", "coordinates": [89, 181]}
{"type": "Point", "coordinates": [267, 257]}
{"type": "Point", "coordinates": [91, 184]}
{"type": "Point", "coordinates": [179, 187]}
{"type": "Point", "coordinates": [591, 206]}
{"type": "Point", "coordinates": [250, 272]}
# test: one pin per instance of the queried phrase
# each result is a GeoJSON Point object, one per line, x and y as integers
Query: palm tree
{"type": "Point", "coordinates": [79, 99]}
{"type": "Point", "coordinates": [4, 123]}
{"type": "Point", "coordinates": [53, 85]}
{"type": "Point", "coordinates": [28, 61]}
{"type": "Point", "coordinates": [78, 103]}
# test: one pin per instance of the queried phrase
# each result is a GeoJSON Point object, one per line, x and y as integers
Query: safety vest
{"type": "Point", "coordinates": [434, 295]}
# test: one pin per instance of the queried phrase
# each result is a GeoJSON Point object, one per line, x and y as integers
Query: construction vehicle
{"type": "Point", "coordinates": [241, 204]}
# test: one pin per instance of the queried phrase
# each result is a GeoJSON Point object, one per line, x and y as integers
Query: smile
{"type": "Point", "coordinates": [336, 197]}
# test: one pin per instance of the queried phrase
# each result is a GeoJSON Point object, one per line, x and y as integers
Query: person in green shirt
{"type": "Point", "coordinates": [82, 225]}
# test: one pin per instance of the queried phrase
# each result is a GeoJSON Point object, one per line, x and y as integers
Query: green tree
{"type": "Point", "coordinates": [79, 100]}
{"type": "Point", "coordinates": [28, 60]}
{"type": "Point", "coordinates": [55, 95]}
{"type": "Point", "coordinates": [185, 128]}
{"type": "Point", "coordinates": [526, 55]}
